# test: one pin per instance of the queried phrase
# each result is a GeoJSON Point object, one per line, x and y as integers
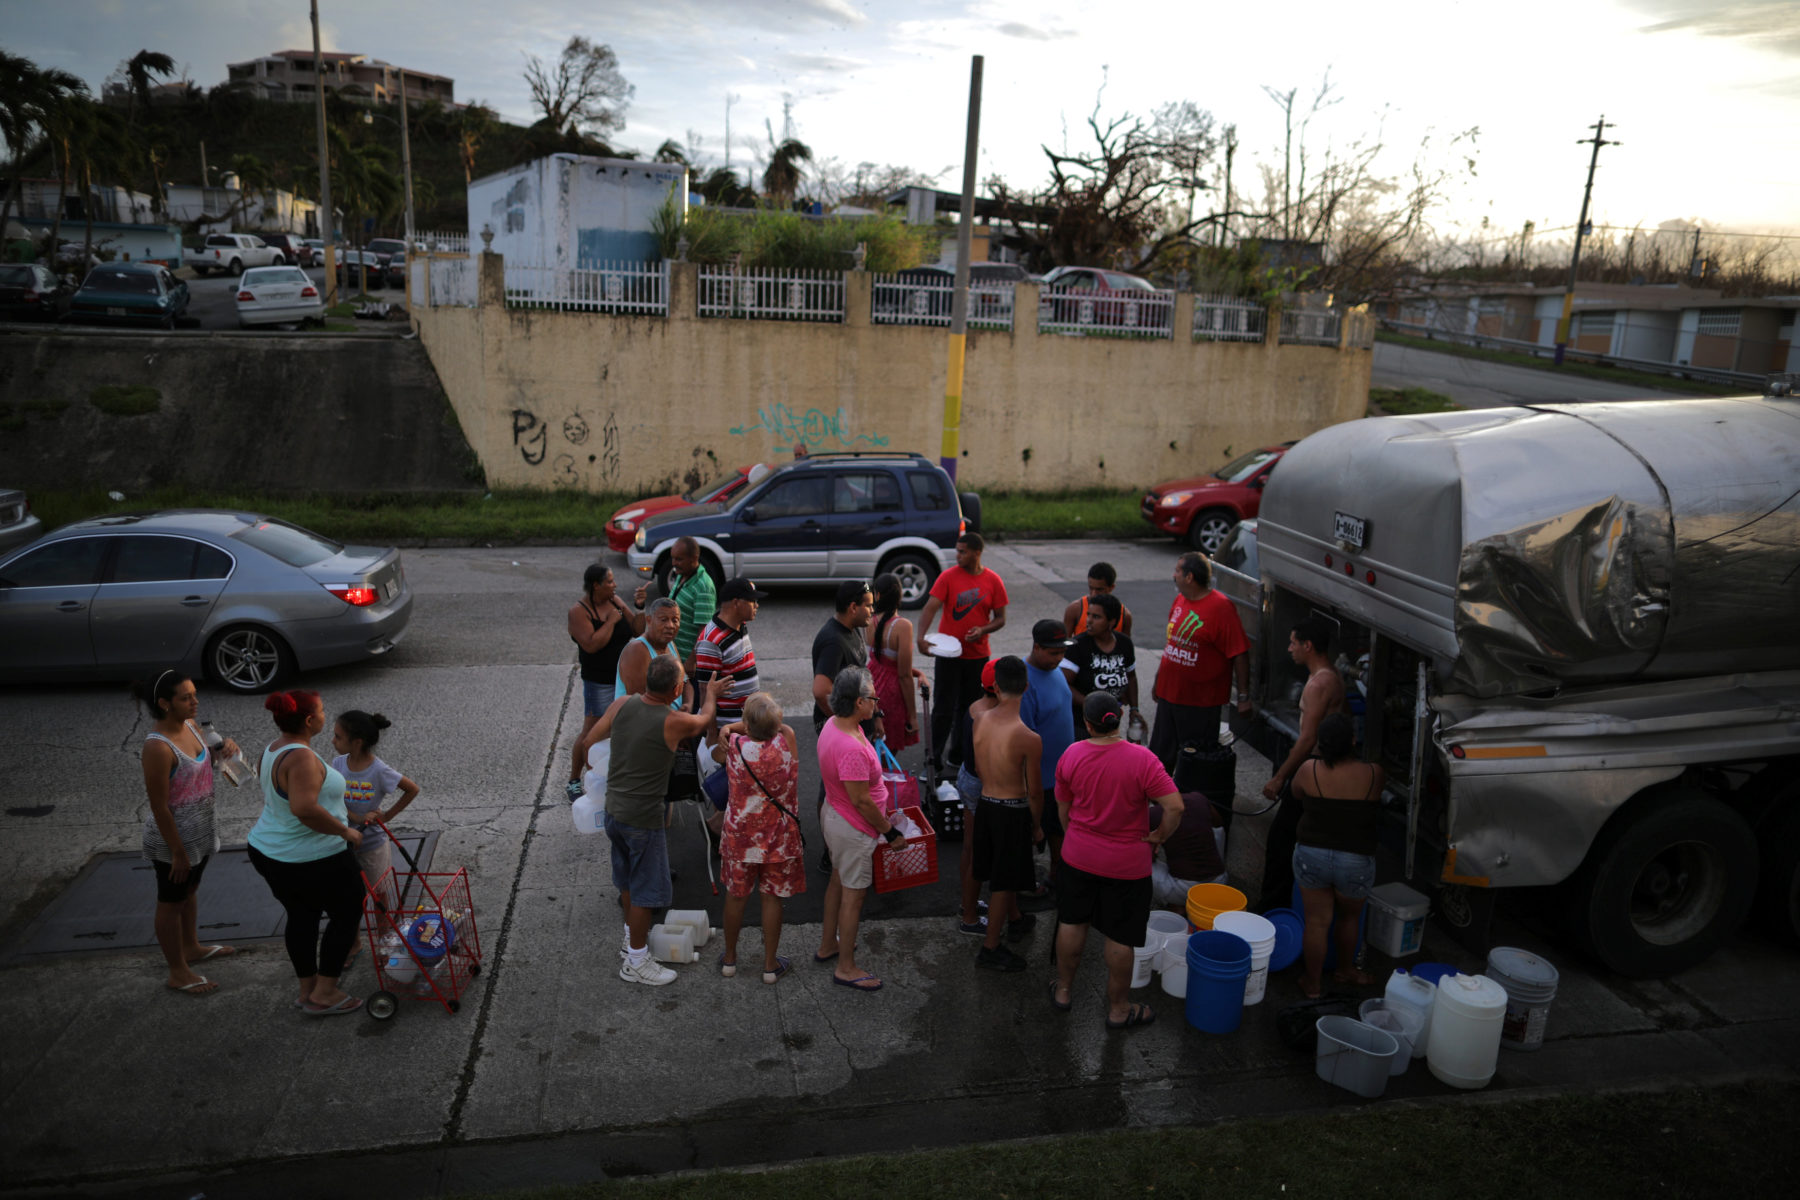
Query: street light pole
{"type": "Point", "coordinates": [406, 169]}
{"type": "Point", "coordinates": [951, 448]}
{"type": "Point", "coordinates": [326, 224]}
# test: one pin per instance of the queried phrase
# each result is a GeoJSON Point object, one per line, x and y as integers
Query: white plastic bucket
{"type": "Point", "coordinates": [1143, 964]}
{"type": "Point", "coordinates": [1171, 964]}
{"type": "Point", "coordinates": [1162, 926]}
{"type": "Point", "coordinates": [1530, 984]}
{"type": "Point", "coordinates": [1391, 1024]}
{"type": "Point", "coordinates": [1404, 1023]}
{"type": "Point", "coordinates": [1354, 1056]}
{"type": "Point", "coordinates": [1259, 932]}
{"type": "Point", "coordinates": [1397, 920]}
{"type": "Point", "coordinates": [1464, 1044]}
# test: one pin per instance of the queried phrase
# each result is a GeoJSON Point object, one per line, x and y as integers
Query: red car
{"type": "Point", "coordinates": [621, 527]}
{"type": "Point", "coordinates": [1203, 509]}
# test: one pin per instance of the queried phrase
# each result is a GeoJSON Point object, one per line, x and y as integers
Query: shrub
{"type": "Point", "coordinates": [126, 400]}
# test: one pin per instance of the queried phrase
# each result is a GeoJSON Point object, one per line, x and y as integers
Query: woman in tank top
{"type": "Point", "coordinates": [890, 641]}
{"type": "Point", "coordinates": [1334, 854]}
{"type": "Point", "coordinates": [600, 625]}
{"type": "Point", "coordinates": [180, 834]}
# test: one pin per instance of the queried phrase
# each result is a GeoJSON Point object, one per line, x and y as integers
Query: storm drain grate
{"type": "Point", "coordinates": [111, 905]}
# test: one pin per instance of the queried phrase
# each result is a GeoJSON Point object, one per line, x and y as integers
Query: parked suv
{"type": "Point", "coordinates": [292, 249]}
{"type": "Point", "coordinates": [824, 518]}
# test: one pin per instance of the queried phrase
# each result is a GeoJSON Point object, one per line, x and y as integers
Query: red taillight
{"type": "Point", "coordinates": [309, 291]}
{"type": "Point", "coordinates": [355, 597]}
{"type": "Point", "coordinates": [30, 296]}
{"type": "Point", "coordinates": [246, 296]}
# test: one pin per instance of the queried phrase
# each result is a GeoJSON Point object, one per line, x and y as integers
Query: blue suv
{"type": "Point", "coordinates": [820, 519]}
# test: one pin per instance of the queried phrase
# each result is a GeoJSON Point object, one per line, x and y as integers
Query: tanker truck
{"type": "Point", "coordinates": [1571, 633]}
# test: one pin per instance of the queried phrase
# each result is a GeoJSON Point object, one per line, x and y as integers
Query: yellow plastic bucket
{"type": "Point", "coordinates": [1207, 900]}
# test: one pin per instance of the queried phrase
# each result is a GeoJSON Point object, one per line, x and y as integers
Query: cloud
{"type": "Point", "coordinates": [1031, 33]}
{"type": "Point", "coordinates": [1773, 24]}
{"type": "Point", "coordinates": [816, 62]}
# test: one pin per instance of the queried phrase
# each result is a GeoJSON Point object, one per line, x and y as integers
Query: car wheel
{"type": "Point", "coordinates": [248, 659]}
{"type": "Point", "coordinates": [916, 574]}
{"type": "Point", "coordinates": [1666, 882]}
{"type": "Point", "coordinates": [237, 266]}
{"type": "Point", "coordinates": [1210, 529]}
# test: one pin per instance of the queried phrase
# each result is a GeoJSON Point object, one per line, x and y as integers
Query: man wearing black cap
{"type": "Point", "coordinates": [1048, 711]}
{"type": "Point", "coordinates": [723, 647]}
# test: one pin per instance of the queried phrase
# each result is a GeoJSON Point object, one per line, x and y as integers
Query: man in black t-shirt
{"type": "Point", "coordinates": [1102, 659]}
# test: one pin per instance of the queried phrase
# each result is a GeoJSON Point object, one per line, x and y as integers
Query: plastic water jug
{"type": "Point", "coordinates": [1411, 992]}
{"type": "Point", "coordinates": [693, 919]}
{"type": "Point", "coordinates": [672, 944]}
{"type": "Point", "coordinates": [1466, 1020]}
{"type": "Point", "coordinates": [588, 812]}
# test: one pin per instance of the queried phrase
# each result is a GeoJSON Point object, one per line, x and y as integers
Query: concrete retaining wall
{"type": "Point", "coordinates": [275, 413]}
{"type": "Point", "coordinates": [605, 403]}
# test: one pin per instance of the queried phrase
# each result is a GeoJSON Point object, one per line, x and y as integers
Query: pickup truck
{"type": "Point", "coordinates": [233, 252]}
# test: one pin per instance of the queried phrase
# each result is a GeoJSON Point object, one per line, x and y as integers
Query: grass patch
{"type": "Point", "coordinates": [126, 400]}
{"type": "Point", "coordinates": [1588, 370]}
{"type": "Point", "coordinates": [13, 415]}
{"type": "Point", "coordinates": [1735, 1140]}
{"type": "Point", "coordinates": [1405, 402]}
{"type": "Point", "coordinates": [1088, 512]}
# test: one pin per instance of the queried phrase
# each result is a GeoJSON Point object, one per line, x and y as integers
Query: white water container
{"type": "Point", "coordinates": [1143, 963]}
{"type": "Point", "coordinates": [589, 812]}
{"type": "Point", "coordinates": [1171, 964]}
{"type": "Point", "coordinates": [1466, 1020]}
{"type": "Point", "coordinates": [1404, 1023]}
{"type": "Point", "coordinates": [1260, 934]}
{"type": "Point", "coordinates": [672, 944]}
{"type": "Point", "coordinates": [1162, 927]}
{"type": "Point", "coordinates": [1397, 920]}
{"type": "Point", "coordinates": [694, 919]}
{"type": "Point", "coordinates": [1409, 991]}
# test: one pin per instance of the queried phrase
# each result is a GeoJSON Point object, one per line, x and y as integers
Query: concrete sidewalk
{"type": "Point", "coordinates": [555, 1070]}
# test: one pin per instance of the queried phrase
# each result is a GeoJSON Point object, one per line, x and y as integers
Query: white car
{"type": "Point", "coordinates": [277, 296]}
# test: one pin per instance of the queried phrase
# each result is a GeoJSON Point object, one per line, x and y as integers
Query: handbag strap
{"type": "Point", "coordinates": [771, 795]}
{"type": "Point", "coordinates": [887, 756]}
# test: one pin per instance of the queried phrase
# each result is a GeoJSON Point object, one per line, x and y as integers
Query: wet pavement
{"type": "Point", "coordinates": [555, 1070]}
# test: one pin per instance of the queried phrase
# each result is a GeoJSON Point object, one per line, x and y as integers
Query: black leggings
{"type": "Point", "coordinates": [958, 686]}
{"type": "Point", "coordinates": [331, 887]}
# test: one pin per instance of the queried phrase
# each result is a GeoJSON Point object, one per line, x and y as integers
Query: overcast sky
{"type": "Point", "coordinates": [1705, 93]}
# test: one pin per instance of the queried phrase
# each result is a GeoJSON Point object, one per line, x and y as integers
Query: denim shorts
{"type": "Point", "coordinates": [640, 863]}
{"type": "Point", "coordinates": [596, 698]}
{"type": "Point", "coordinates": [1349, 875]}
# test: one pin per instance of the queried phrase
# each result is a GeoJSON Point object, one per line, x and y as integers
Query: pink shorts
{"type": "Point", "coordinates": [782, 878]}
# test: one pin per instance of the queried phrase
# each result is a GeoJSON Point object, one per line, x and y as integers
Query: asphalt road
{"type": "Point", "coordinates": [555, 1071]}
{"type": "Point", "coordinates": [1473, 383]}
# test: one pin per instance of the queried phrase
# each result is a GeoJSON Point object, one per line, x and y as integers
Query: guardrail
{"type": "Point", "coordinates": [620, 288]}
{"type": "Point", "coordinates": [1229, 319]}
{"type": "Point", "coordinates": [766, 294]}
{"type": "Point", "coordinates": [1146, 314]}
{"type": "Point", "coordinates": [898, 300]}
{"type": "Point", "coordinates": [1539, 350]}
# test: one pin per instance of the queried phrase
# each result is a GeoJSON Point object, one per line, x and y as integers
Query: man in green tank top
{"type": "Point", "coordinates": [645, 730]}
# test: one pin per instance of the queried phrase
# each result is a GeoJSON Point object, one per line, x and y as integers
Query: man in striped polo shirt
{"type": "Point", "coordinates": [723, 647]}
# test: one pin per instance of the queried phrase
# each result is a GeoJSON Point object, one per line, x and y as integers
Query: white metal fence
{"type": "Point", "coordinates": [769, 294]}
{"type": "Point", "coordinates": [432, 241]}
{"type": "Point", "coordinates": [1310, 326]}
{"type": "Point", "coordinates": [903, 300]}
{"type": "Point", "coordinates": [451, 281]}
{"type": "Point", "coordinates": [1146, 314]}
{"type": "Point", "coordinates": [1229, 319]}
{"type": "Point", "coordinates": [621, 288]}
{"type": "Point", "coordinates": [1360, 335]}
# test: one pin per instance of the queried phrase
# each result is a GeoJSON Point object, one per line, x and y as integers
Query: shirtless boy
{"type": "Point", "coordinates": [1009, 819]}
{"type": "Point", "coordinates": [1322, 696]}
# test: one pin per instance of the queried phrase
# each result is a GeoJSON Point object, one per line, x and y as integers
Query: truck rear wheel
{"type": "Point", "coordinates": [1668, 880]}
{"type": "Point", "coordinates": [1778, 900]}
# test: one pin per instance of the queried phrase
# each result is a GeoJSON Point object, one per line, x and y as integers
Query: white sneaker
{"type": "Point", "coordinates": [651, 973]}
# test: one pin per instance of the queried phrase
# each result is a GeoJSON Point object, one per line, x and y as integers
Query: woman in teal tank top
{"type": "Point", "coordinates": [303, 847]}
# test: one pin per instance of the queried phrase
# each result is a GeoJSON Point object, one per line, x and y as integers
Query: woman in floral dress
{"type": "Point", "coordinates": [762, 847]}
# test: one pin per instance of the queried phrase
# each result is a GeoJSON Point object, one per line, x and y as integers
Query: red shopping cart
{"type": "Point", "coordinates": [422, 935]}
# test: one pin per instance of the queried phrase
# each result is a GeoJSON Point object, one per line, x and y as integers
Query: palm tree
{"type": "Point", "coordinates": [361, 181]}
{"type": "Point", "coordinates": [30, 99]}
{"type": "Point", "coordinates": [782, 178]}
{"type": "Point", "coordinates": [473, 124]}
{"type": "Point", "coordinates": [138, 68]}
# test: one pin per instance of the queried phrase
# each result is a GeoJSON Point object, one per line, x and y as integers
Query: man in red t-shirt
{"type": "Point", "coordinates": [1205, 651]}
{"type": "Point", "coordinates": [973, 601]}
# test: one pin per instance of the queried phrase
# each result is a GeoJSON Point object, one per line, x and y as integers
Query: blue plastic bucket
{"type": "Point", "coordinates": [430, 937]}
{"type": "Point", "coordinates": [1362, 928]}
{"type": "Point", "coordinates": [1218, 965]}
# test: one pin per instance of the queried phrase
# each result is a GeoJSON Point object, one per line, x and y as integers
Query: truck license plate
{"type": "Point", "coordinates": [1350, 530]}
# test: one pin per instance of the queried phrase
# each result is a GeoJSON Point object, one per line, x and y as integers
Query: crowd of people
{"type": "Point", "coordinates": [1040, 748]}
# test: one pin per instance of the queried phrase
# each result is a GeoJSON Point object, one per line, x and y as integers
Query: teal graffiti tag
{"type": "Point", "coordinates": [812, 427]}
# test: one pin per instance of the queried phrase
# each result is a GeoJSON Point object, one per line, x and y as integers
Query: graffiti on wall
{"type": "Point", "coordinates": [581, 465]}
{"type": "Point", "coordinates": [815, 427]}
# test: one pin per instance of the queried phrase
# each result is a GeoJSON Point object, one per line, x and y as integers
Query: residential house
{"type": "Point", "coordinates": [291, 75]}
{"type": "Point", "coordinates": [273, 211]}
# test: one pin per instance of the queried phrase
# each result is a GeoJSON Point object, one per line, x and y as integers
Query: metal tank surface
{"type": "Point", "coordinates": [1531, 549]}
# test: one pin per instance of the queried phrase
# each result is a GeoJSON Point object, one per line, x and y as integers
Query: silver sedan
{"type": "Point", "coordinates": [249, 600]}
{"type": "Point", "coordinates": [277, 296]}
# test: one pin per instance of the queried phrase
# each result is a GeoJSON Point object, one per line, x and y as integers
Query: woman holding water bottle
{"type": "Point", "coordinates": [180, 836]}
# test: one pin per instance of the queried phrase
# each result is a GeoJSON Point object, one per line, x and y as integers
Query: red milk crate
{"type": "Point", "coordinates": [912, 862]}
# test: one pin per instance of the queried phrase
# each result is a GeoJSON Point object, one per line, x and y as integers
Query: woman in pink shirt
{"type": "Point", "coordinates": [1104, 789]}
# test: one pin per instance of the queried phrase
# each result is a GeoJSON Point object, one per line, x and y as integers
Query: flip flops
{"type": "Point", "coordinates": [1059, 1005]}
{"type": "Point", "coordinates": [825, 958]}
{"type": "Point", "coordinates": [781, 968]}
{"type": "Point", "coordinates": [214, 952]}
{"type": "Point", "coordinates": [1137, 1015]}
{"type": "Point", "coordinates": [200, 987]}
{"type": "Point", "coordinates": [348, 1004]}
{"type": "Point", "coordinates": [859, 984]}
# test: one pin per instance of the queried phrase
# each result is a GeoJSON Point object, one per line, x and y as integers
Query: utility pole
{"type": "Point", "coordinates": [206, 182]}
{"type": "Point", "coordinates": [1597, 141]}
{"type": "Point", "coordinates": [327, 226]}
{"type": "Point", "coordinates": [959, 303]}
{"type": "Point", "coordinates": [406, 169]}
{"type": "Point", "coordinates": [730, 99]}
